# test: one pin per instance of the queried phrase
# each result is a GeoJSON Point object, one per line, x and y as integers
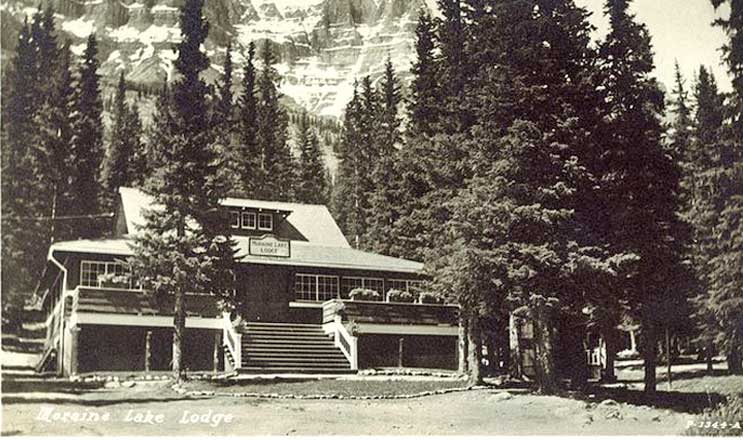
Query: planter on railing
{"type": "Point", "coordinates": [375, 312]}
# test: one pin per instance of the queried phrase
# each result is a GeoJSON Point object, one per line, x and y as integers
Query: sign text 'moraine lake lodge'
{"type": "Point", "coordinates": [269, 246]}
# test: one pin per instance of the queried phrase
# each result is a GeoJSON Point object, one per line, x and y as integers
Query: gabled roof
{"type": "Point", "coordinates": [314, 222]}
{"type": "Point", "coordinates": [303, 254]}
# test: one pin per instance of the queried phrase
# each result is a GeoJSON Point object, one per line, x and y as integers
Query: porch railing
{"type": "Point", "coordinates": [233, 340]}
{"type": "Point", "coordinates": [347, 343]}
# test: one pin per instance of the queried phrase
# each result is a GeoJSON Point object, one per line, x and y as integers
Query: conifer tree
{"type": "Point", "coordinates": [383, 204]}
{"type": "Point", "coordinates": [122, 164]}
{"type": "Point", "coordinates": [19, 198]}
{"type": "Point", "coordinates": [640, 197]}
{"type": "Point", "coordinates": [183, 247]}
{"type": "Point", "coordinates": [223, 120]}
{"type": "Point", "coordinates": [86, 153]}
{"type": "Point", "coordinates": [249, 156]}
{"type": "Point", "coordinates": [277, 161]}
{"type": "Point", "coordinates": [311, 181]}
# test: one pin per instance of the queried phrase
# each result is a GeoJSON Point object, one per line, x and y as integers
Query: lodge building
{"type": "Point", "coordinates": [294, 278]}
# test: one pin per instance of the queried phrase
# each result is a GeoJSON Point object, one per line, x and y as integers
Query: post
{"type": "Point", "coordinates": [668, 356]}
{"type": "Point", "coordinates": [400, 351]}
{"type": "Point", "coordinates": [215, 356]}
{"type": "Point", "coordinates": [148, 351]}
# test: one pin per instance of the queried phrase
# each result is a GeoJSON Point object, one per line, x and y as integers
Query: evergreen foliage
{"type": "Point", "coordinates": [311, 174]}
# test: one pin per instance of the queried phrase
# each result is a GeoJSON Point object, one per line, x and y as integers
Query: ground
{"type": "Point", "coordinates": [40, 407]}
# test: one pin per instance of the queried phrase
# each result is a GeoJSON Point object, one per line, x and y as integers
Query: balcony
{"type": "Point", "coordinates": [376, 312]}
{"type": "Point", "coordinates": [138, 302]}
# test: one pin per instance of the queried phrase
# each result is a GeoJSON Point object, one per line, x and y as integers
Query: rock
{"type": "Point", "coordinates": [111, 384]}
{"type": "Point", "coordinates": [127, 384]}
{"type": "Point", "coordinates": [655, 418]}
{"type": "Point", "coordinates": [614, 415]}
{"type": "Point", "coordinates": [504, 395]}
{"type": "Point", "coordinates": [608, 402]}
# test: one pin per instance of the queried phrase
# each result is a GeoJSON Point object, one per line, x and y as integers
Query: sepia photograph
{"type": "Point", "coordinates": [371, 217]}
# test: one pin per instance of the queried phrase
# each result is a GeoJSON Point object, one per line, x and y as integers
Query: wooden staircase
{"type": "Point", "coordinates": [290, 348]}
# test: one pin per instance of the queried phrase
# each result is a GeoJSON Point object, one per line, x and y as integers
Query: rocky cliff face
{"type": "Point", "coordinates": [324, 45]}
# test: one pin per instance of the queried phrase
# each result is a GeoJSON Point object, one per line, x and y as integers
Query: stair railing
{"type": "Point", "coordinates": [333, 324]}
{"type": "Point", "coordinates": [232, 340]}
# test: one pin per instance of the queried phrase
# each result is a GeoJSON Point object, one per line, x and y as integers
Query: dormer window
{"type": "Point", "coordinates": [248, 220]}
{"type": "Point", "coordinates": [265, 222]}
{"type": "Point", "coordinates": [234, 219]}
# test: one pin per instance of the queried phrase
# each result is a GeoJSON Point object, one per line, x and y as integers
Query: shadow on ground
{"type": "Point", "coordinates": [679, 401]}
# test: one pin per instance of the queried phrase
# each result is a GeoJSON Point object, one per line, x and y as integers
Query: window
{"type": "Point", "coordinates": [248, 220]}
{"type": "Point", "coordinates": [265, 222]}
{"type": "Point", "coordinates": [315, 287]}
{"type": "Point", "coordinates": [234, 219]}
{"type": "Point", "coordinates": [92, 274]}
{"type": "Point", "coordinates": [350, 283]}
{"type": "Point", "coordinates": [412, 286]}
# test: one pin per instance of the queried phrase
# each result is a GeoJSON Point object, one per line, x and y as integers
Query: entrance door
{"type": "Point", "coordinates": [266, 294]}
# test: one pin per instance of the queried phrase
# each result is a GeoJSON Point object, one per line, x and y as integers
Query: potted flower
{"type": "Point", "coordinates": [400, 296]}
{"type": "Point", "coordinates": [430, 298]}
{"type": "Point", "coordinates": [361, 294]}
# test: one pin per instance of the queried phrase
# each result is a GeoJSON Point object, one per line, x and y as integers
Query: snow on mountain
{"type": "Point", "coordinates": [323, 45]}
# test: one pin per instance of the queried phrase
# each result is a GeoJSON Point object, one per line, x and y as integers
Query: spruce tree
{"type": "Point", "coordinates": [311, 179]}
{"type": "Point", "coordinates": [248, 158]}
{"type": "Point", "coordinates": [640, 197]}
{"type": "Point", "coordinates": [182, 247]}
{"type": "Point", "coordinates": [120, 167]}
{"type": "Point", "coordinates": [86, 151]}
{"type": "Point", "coordinates": [277, 161]}
{"type": "Point", "coordinates": [383, 204]}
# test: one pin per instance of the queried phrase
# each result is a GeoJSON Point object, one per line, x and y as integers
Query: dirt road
{"type": "Point", "coordinates": [155, 409]}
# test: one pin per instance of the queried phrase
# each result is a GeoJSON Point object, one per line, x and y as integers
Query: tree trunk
{"type": "Point", "coordinates": [544, 363]}
{"type": "Point", "coordinates": [179, 330]}
{"type": "Point", "coordinates": [649, 349]}
{"type": "Point", "coordinates": [493, 357]}
{"type": "Point", "coordinates": [515, 362]}
{"type": "Point", "coordinates": [462, 345]}
{"type": "Point", "coordinates": [734, 360]}
{"type": "Point", "coordinates": [474, 349]}
{"type": "Point", "coordinates": [708, 352]}
{"type": "Point", "coordinates": [608, 374]}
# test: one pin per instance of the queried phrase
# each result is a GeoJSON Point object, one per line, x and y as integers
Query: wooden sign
{"type": "Point", "coordinates": [269, 246]}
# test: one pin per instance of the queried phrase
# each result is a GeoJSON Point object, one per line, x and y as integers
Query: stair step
{"type": "Point", "coordinates": [281, 324]}
{"type": "Point", "coordinates": [304, 358]}
{"type": "Point", "coordinates": [288, 343]}
{"type": "Point", "coordinates": [303, 352]}
{"type": "Point", "coordinates": [315, 333]}
{"type": "Point", "coordinates": [275, 362]}
{"type": "Point", "coordinates": [253, 336]}
{"type": "Point", "coordinates": [275, 370]}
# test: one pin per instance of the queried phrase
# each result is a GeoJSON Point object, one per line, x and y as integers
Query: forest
{"type": "Point", "coordinates": [537, 173]}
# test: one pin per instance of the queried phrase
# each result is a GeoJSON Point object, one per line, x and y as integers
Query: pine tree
{"type": "Point", "coordinates": [86, 151]}
{"type": "Point", "coordinates": [347, 193]}
{"type": "Point", "coordinates": [423, 87]}
{"type": "Point", "coordinates": [640, 199]}
{"type": "Point", "coordinates": [277, 161]}
{"type": "Point", "coordinates": [222, 123]}
{"type": "Point", "coordinates": [723, 300]}
{"type": "Point", "coordinates": [23, 239]}
{"type": "Point", "coordinates": [383, 212]}
{"type": "Point", "coordinates": [187, 186]}
{"type": "Point", "coordinates": [248, 158]}
{"type": "Point", "coordinates": [120, 167]}
{"type": "Point", "coordinates": [311, 179]}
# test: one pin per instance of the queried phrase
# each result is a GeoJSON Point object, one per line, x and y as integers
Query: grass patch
{"type": "Point", "coordinates": [326, 387]}
{"type": "Point", "coordinates": [724, 385]}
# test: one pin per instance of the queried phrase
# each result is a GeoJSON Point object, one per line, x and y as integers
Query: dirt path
{"type": "Point", "coordinates": [473, 412]}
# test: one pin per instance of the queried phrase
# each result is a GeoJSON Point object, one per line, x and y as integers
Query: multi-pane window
{"type": "Point", "coordinates": [315, 287]}
{"type": "Point", "coordinates": [234, 219]}
{"type": "Point", "coordinates": [412, 286]}
{"type": "Point", "coordinates": [265, 222]}
{"type": "Point", "coordinates": [92, 274]}
{"type": "Point", "coordinates": [350, 283]}
{"type": "Point", "coordinates": [248, 220]}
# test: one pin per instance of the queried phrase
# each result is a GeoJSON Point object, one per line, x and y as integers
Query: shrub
{"type": "Point", "coordinates": [359, 294]}
{"type": "Point", "coordinates": [401, 296]}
